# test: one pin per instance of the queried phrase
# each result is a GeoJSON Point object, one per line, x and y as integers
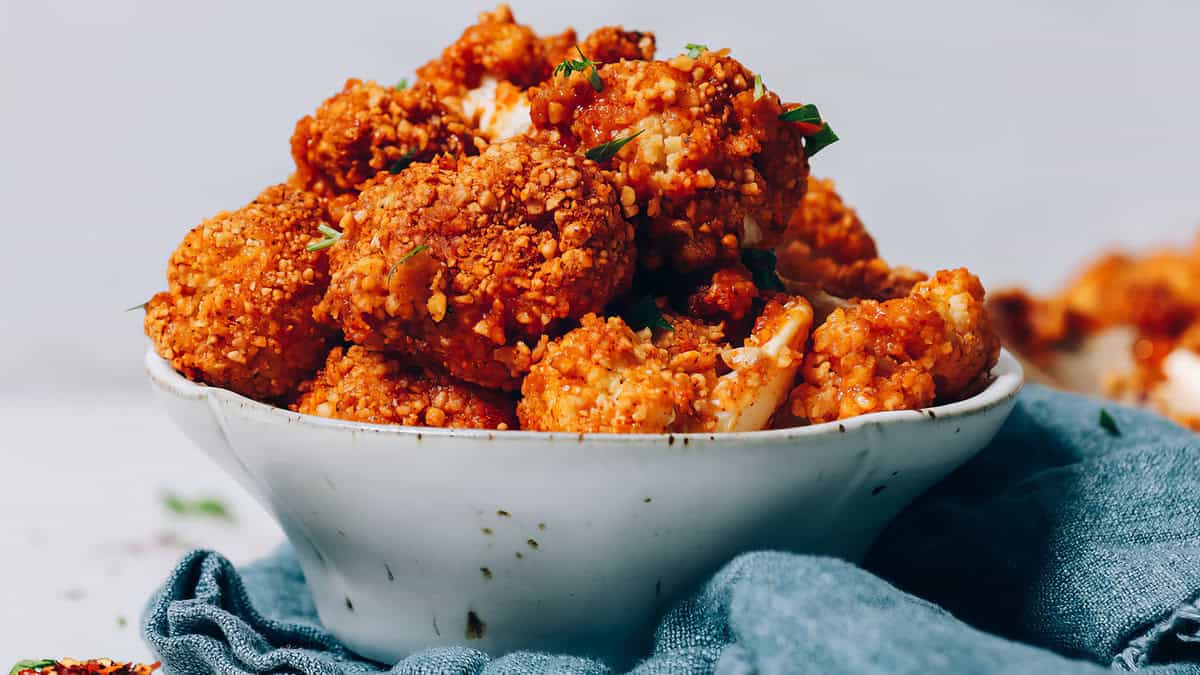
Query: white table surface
{"type": "Point", "coordinates": [86, 536]}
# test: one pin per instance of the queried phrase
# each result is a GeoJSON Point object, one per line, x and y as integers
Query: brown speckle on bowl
{"type": "Point", "coordinates": [436, 631]}
{"type": "Point", "coordinates": [475, 626]}
{"type": "Point", "coordinates": [647, 500]}
{"type": "Point", "coordinates": [541, 526]}
{"type": "Point", "coordinates": [671, 439]}
{"type": "Point", "coordinates": [841, 428]}
{"type": "Point", "coordinates": [486, 530]}
{"type": "Point", "coordinates": [349, 605]}
{"type": "Point", "coordinates": [878, 489]}
{"type": "Point", "coordinates": [486, 572]}
{"type": "Point", "coordinates": [391, 577]}
{"type": "Point", "coordinates": [520, 556]}
{"type": "Point", "coordinates": [532, 544]}
{"type": "Point", "coordinates": [503, 514]}
{"type": "Point", "coordinates": [341, 532]}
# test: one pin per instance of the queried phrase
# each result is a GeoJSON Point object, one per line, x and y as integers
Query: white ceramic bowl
{"type": "Point", "coordinates": [413, 537]}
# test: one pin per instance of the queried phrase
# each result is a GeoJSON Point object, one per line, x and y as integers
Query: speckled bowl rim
{"type": "Point", "coordinates": [1008, 378]}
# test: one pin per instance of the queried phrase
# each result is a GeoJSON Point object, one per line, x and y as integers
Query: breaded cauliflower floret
{"type": "Point", "coordinates": [365, 386]}
{"type": "Point", "coordinates": [713, 170]}
{"type": "Point", "coordinates": [608, 44]}
{"type": "Point", "coordinates": [239, 310]}
{"type": "Point", "coordinates": [604, 377]}
{"type": "Point", "coordinates": [905, 353]}
{"type": "Point", "coordinates": [496, 46]}
{"type": "Point", "coordinates": [826, 249]}
{"type": "Point", "coordinates": [472, 262]}
{"type": "Point", "coordinates": [367, 128]}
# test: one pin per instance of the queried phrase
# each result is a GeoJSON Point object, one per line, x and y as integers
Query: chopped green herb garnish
{"type": "Point", "coordinates": [31, 665]}
{"type": "Point", "coordinates": [1108, 423]}
{"type": "Point", "coordinates": [805, 113]}
{"type": "Point", "coordinates": [758, 87]}
{"type": "Point", "coordinates": [402, 163]}
{"type": "Point", "coordinates": [644, 313]}
{"type": "Point", "coordinates": [761, 264]}
{"type": "Point", "coordinates": [569, 66]}
{"type": "Point", "coordinates": [814, 143]}
{"type": "Point", "coordinates": [122, 622]}
{"type": "Point", "coordinates": [204, 506]}
{"type": "Point", "coordinates": [817, 133]}
{"type": "Point", "coordinates": [144, 305]}
{"type": "Point", "coordinates": [402, 84]}
{"type": "Point", "coordinates": [694, 50]}
{"type": "Point", "coordinates": [405, 258]}
{"type": "Point", "coordinates": [605, 151]}
{"type": "Point", "coordinates": [331, 238]}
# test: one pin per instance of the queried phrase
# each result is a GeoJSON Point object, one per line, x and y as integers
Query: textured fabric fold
{"type": "Point", "coordinates": [1061, 534]}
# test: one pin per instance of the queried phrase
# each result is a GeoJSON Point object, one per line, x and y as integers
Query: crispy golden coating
{"type": "Point", "coordinates": [609, 45]}
{"type": "Point", "coordinates": [496, 46]}
{"type": "Point", "coordinates": [472, 262]}
{"type": "Point", "coordinates": [365, 386]}
{"type": "Point", "coordinates": [905, 353]}
{"type": "Point", "coordinates": [367, 128]}
{"type": "Point", "coordinates": [604, 377]}
{"type": "Point", "coordinates": [1152, 299]}
{"type": "Point", "coordinates": [728, 295]}
{"type": "Point", "coordinates": [827, 248]}
{"type": "Point", "coordinates": [238, 312]}
{"type": "Point", "coordinates": [712, 170]}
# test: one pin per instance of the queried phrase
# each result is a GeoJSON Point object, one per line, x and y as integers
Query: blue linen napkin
{"type": "Point", "coordinates": [1081, 543]}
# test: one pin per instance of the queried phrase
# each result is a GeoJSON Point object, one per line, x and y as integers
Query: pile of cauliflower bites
{"type": "Point", "coordinates": [556, 234]}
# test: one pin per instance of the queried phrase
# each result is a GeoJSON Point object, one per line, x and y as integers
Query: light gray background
{"type": "Point", "coordinates": [1014, 137]}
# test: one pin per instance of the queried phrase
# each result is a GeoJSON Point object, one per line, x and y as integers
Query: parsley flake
{"type": "Point", "coordinates": [402, 163]}
{"type": "Point", "coordinates": [402, 84]}
{"type": "Point", "coordinates": [204, 506]}
{"type": "Point", "coordinates": [695, 50]}
{"type": "Point", "coordinates": [758, 87]}
{"type": "Point", "coordinates": [31, 665]}
{"type": "Point", "coordinates": [644, 313]}
{"type": "Point", "coordinates": [331, 237]}
{"type": "Point", "coordinates": [814, 143]}
{"type": "Point", "coordinates": [405, 258]}
{"type": "Point", "coordinates": [804, 113]}
{"type": "Point", "coordinates": [606, 151]}
{"type": "Point", "coordinates": [142, 306]}
{"type": "Point", "coordinates": [1108, 423]}
{"type": "Point", "coordinates": [579, 65]}
{"type": "Point", "coordinates": [817, 133]}
{"type": "Point", "coordinates": [761, 264]}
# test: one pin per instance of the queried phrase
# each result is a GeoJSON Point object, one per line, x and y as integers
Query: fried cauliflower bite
{"type": "Point", "coordinates": [238, 312]}
{"type": "Point", "coordinates": [826, 248]}
{"type": "Point", "coordinates": [472, 262]}
{"type": "Point", "coordinates": [712, 169]}
{"type": "Point", "coordinates": [485, 74]}
{"type": "Point", "coordinates": [368, 128]}
{"type": "Point", "coordinates": [606, 45]}
{"type": "Point", "coordinates": [934, 344]}
{"type": "Point", "coordinates": [605, 377]}
{"type": "Point", "coordinates": [497, 47]}
{"type": "Point", "coordinates": [1122, 328]}
{"type": "Point", "coordinates": [365, 386]}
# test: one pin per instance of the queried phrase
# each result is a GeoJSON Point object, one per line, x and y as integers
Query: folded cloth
{"type": "Point", "coordinates": [1062, 534]}
{"type": "Point", "coordinates": [1068, 533]}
